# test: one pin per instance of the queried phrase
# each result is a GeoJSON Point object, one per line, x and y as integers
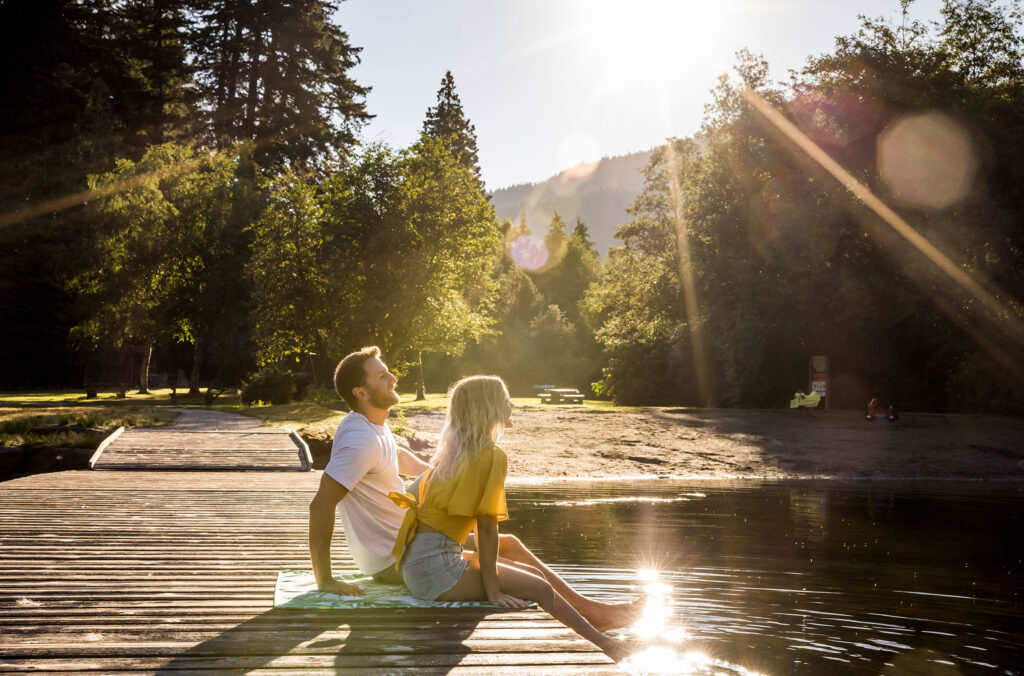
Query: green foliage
{"type": "Point", "coordinates": [283, 248]}
{"type": "Point", "coordinates": [273, 385]}
{"type": "Point", "coordinates": [289, 264]}
{"type": "Point", "coordinates": [92, 84]}
{"type": "Point", "coordinates": [446, 243]}
{"type": "Point", "coordinates": [130, 276]}
{"type": "Point", "coordinates": [394, 250]}
{"type": "Point", "coordinates": [157, 74]}
{"type": "Point", "coordinates": [538, 335]}
{"type": "Point", "coordinates": [785, 264]}
{"type": "Point", "coordinates": [277, 74]}
{"type": "Point", "coordinates": [163, 252]}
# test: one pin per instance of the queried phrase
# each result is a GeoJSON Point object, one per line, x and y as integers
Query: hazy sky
{"type": "Point", "coordinates": [551, 83]}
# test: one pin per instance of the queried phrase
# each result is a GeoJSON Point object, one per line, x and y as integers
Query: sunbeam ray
{"type": "Point", "coordinates": [1012, 326]}
{"type": "Point", "coordinates": [58, 204]}
{"type": "Point", "coordinates": [686, 278]}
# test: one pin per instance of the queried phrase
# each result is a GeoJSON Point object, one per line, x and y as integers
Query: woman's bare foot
{"type": "Point", "coordinates": [605, 616]}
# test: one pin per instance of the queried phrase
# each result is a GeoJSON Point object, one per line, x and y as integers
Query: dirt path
{"type": "Point", "coordinates": [566, 441]}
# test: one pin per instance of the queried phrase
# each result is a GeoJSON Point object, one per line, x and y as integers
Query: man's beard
{"type": "Point", "coordinates": [384, 399]}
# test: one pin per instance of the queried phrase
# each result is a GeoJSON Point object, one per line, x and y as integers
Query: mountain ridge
{"type": "Point", "coordinates": [597, 192]}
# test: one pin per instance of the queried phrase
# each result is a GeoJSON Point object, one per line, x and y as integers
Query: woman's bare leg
{"type": "Point", "coordinates": [603, 616]}
{"type": "Point", "coordinates": [524, 585]}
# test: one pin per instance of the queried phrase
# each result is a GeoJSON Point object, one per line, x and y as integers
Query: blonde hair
{"type": "Point", "coordinates": [475, 419]}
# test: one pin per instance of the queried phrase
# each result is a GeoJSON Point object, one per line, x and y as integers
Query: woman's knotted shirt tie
{"type": "Point", "coordinates": [412, 510]}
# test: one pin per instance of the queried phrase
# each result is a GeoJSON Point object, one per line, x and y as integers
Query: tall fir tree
{"type": "Point", "coordinates": [277, 74]}
{"type": "Point", "coordinates": [556, 242]}
{"type": "Point", "coordinates": [59, 122]}
{"type": "Point", "coordinates": [153, 39]}
{"type": "Point", "coordinates": [521, 229]}
{"type": "Point", "coordinates": [448, 121]}
{"type": "Point", "coordinates": [59, 68]}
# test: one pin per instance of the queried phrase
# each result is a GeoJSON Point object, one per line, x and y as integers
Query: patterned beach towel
{"type": "Point", "coordinates": [297, 589]}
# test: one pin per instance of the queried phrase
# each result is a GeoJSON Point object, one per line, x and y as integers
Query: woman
{"type": "Point", "coordinates": [464, 492]}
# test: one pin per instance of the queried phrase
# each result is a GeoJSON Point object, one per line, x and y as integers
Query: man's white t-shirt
{"type": "Point", "coordinates": [364, 460]}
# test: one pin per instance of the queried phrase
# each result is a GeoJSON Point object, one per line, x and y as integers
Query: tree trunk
{"type": "Point", "coordinates": [147, 353]}
{"type": "Point", "coordinates": [319, 365]}
{"type": "Point", "coordinates": [254, 79]}
{"type": "Point", "coordinates": [421, 387]}
{"type": "Point", "coordinates": [159, 70]}
{"type": "Point", "coordinates": [233, 72]}
{"type": "Point", "coordinates": [197, 363]}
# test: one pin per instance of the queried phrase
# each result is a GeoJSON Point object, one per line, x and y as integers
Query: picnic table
{"type": "Point", "coordinates": [93, 388]}
{"type": "Point", "coordinates": [561, 395]}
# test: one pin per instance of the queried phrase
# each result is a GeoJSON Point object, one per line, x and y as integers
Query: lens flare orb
{"type": "Point", "coordinates": [927, 160]}
{"type": "Point", "coordinates": [529, 252]}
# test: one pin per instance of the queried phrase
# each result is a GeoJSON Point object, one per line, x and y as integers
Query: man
{"type": "Point", "coordinates": [364, 467]}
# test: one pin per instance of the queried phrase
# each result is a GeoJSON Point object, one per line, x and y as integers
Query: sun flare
{"type": "Point", "coordinates": [654, 43]}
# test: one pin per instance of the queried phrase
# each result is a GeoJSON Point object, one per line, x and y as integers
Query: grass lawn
{"type": "Point", "coordinates": [16, 422]}
{"type": "Point", "coordinates": [319, 413]}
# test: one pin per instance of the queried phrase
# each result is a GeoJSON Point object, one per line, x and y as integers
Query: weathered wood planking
{"type": "Point", "coordinates": [206, 440]}
{"type": "Point", "coordinates": [132, 571]}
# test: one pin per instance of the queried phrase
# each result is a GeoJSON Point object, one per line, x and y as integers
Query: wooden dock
{"type": "Point", "coordinates": [170, 571]}
{"type": "Point", "coordinates": [205, 440]}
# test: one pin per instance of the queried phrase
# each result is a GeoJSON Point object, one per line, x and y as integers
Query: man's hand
{"type": "Point", "coordinates": [321, 528]}
{"type": "Point", "coordinates": [340, 588]}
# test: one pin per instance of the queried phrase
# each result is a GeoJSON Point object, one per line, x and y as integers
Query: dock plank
{"type": "Point", "coordinates": [139, 571]}
{"type": "Point", "coordinates": [204, 440]}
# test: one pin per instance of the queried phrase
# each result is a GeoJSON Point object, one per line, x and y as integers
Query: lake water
{"type": "Point", "coordinates": [804, 577]}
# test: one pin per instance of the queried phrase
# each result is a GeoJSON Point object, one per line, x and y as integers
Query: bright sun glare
{"type": "Point", "coordinates": [654, 43]}
{"type": "Point", "coordinates": [665, 650]}
{"type": "Point", "coordinates": [649, 52]}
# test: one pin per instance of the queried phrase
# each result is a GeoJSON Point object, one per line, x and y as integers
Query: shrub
{"type": "Point", "coordinates": [274, 385]}
{"type": "Point", "coordinates": [301, 381]}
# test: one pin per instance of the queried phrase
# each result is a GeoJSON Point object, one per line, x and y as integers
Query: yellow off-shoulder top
{"type": "Point", "coordinates": [451, 506]}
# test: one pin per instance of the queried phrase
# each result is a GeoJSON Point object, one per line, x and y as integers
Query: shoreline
{"type": "Point", "coordinates": [543, 480]}
{"type": "Point", "coordinates": [570, 443]}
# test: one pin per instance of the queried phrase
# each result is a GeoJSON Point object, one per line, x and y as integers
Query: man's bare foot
{"type": "Point", "coordinates": [605, 616]}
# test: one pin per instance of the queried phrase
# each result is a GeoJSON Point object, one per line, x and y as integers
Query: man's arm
{"type": "Point", "coordinates": [409, 464]}
{"type": "Point", "coordinates": [321, 531]}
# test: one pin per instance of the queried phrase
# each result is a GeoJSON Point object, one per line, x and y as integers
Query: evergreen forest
{"type": "Point", "coordinates": [184, 189]}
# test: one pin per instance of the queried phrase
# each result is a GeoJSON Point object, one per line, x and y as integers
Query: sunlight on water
{"type": "Point", "coordinates": [660, 660]}
{"type": "Point", "coordinates": [627, 498]}
{"type": "Point", "coordinates": [657, 614]}
{"type": "Point", "coordinates": [793, 577]}
{"type": "Point", "coordinates": [656, 629]}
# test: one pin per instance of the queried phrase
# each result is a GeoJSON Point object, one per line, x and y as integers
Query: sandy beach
{"type": "Point", "coordinates": [579, 441]}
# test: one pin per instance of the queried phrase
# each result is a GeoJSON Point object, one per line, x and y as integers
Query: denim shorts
{"type": "Point", "coordinates": [432, 564]}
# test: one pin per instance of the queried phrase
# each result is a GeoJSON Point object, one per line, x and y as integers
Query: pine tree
{"type": "Point", "coordinates": [159, 92]}
{"type": "Point", "coordinates": [447, 120]}
{"type": "Point", "coordinates": [556, 241]}
{"type": "Point", "coordinates": [582, 235]}
{"type": "Point", "coordinates": [277, 73]}
{"type": "Point", "coordinates": [520, 229]}
{"type": "Point", "coordinates": [57, 68]}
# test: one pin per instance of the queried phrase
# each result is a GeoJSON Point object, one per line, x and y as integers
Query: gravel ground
{"type": "Point", "coordinates": [579, 441]}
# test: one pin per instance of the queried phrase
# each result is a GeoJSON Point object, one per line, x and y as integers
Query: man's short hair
{"type": "Point", "coordinates": [351, 372]}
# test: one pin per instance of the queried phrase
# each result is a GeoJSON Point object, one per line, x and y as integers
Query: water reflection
{"type": "Point", "coordinates": [795, 577]}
